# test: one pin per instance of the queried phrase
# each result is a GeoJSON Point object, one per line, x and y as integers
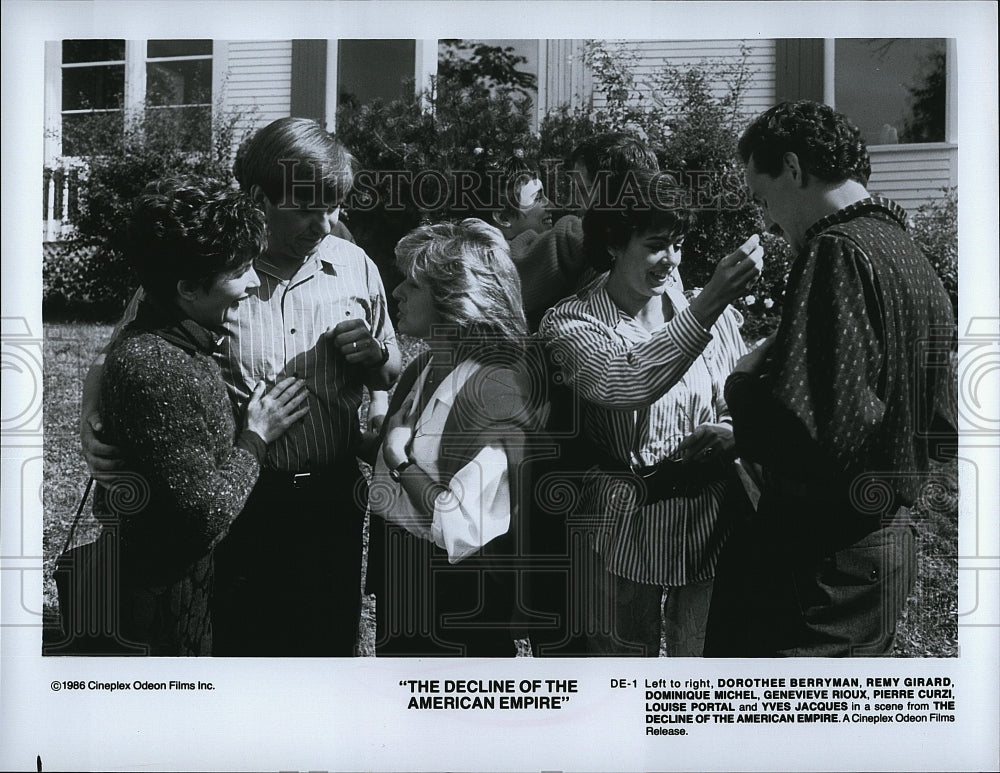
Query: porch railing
{"type": "Point", "coordinates": [60, 202]}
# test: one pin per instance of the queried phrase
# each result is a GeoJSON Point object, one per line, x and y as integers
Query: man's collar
{"type": "Point", "coordinates": [327, 255]}
{"type": "Point", "coordinates": [870, 204]}
{"type": "Point", "coordinates": [285, 272]}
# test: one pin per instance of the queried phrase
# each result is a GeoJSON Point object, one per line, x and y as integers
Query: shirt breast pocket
{"type": "Point", "coordinates": [328, 315]}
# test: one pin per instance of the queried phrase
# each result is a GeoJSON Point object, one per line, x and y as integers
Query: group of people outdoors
{"type": "Point", "coordinates": [583, 457]}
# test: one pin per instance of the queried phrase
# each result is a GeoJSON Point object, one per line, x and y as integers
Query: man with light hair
{"type": "Point", "coordinates": [288, 575]}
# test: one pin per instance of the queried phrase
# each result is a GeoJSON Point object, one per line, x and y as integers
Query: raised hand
{"type": "Point", "coordinates": [354, 341]}
{"type": "Point", "coordinates": [733, 276]}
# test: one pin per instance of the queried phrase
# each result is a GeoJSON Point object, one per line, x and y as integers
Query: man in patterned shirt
{"type": "Point", "coordinates": [843, 407]}
{"type": "Point", "coordinates": [288, 575]}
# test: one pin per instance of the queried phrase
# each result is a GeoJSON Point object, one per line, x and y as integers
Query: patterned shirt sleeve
{"type": "Point", "coordinates": [823, 369]}
{"type": "Point", "coordinates": [729, 347]}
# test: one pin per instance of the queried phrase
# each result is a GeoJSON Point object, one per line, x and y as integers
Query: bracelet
{"type": "Point", "coordinates": [396, 471]}
{"type": "Point", "coordinates": [385, 353]}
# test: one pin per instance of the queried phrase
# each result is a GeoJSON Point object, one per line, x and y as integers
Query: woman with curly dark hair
{"type": "Point", "coordinates": [190, 467]}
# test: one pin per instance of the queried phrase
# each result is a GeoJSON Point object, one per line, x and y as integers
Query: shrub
{"type": "Point", "coordinates": [478, 65]}
{"type": "Point", "coordinates": [86, 274]}
{"type": "Point", "coordinates": [935, 227]}
{"type": "Point", "coordinates": [561, 130]}
{"type": "Point", "coordinates": [73, 286]}
{"type": "Point", "coordinates": [475, 113]}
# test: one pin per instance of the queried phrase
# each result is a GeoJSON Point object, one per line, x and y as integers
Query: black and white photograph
{"type": "Point", "coordinates": [618, 389]}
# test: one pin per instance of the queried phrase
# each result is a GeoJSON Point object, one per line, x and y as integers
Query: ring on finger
{"type": "Point", "coordinates": [354, 346]}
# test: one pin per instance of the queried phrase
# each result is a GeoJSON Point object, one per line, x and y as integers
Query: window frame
{"type": "Point", "coordinates": [136, 62]}
{"type": "Point", "coordinates": [951, 98]}
{"type": "Point", "coordinates": [183, 58]}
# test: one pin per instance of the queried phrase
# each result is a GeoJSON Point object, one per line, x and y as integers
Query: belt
{"type": "Point", "coordinates": [669, 478]}
{"type": "Point", "coordinates": [313, 479]}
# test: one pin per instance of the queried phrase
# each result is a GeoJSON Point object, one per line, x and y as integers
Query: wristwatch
{"type": "Point", "coordinates": [396, 471]}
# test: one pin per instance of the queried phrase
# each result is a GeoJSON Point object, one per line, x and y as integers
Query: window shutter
{"type": "Point", "coordinates": [799, 69]}
{"type": "Point", "coordinates": [308, 95]}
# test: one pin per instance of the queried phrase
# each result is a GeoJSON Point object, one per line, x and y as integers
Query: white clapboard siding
{"type": "Point", "coordinates": [563, 79]}
{"type": "Point", "coordinates": [259, 81]}
{"type": "Point", "coordinates": [652, 55]}
{"type": "Point", "coordinates": [913, 174]}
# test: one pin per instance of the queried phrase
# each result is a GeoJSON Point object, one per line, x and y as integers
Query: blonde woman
{"type": "Point", "coordinates": [450, 480]}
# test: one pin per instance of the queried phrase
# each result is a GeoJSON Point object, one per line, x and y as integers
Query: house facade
{"type": "Point", "coordinates": [902, 92]}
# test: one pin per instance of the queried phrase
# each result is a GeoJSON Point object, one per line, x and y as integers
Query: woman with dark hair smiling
{"type": "Point", "coordinates": [162, 397]}
{"type": "Point", "coordinates": [450, 480]}
{"type": "Point", "coordinates": [649, 364]}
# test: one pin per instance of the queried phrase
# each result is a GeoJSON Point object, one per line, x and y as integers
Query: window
{"type": "Point", "coordinates": [893, 88]}
{"type": "Point", "coordinates": [374, 69]}
{"type": "Point", "coordinates": [102, 81]}
{"type": "Point", "coordinates": [93, 93]}
{"type": "Point", "coordinates": [179, 89]}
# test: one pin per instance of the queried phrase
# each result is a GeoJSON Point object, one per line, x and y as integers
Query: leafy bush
{"type": "Point", "coordinates": [935, 228]}
{"type": "Point", "coordinates": [561, 130]}
{"type": "Point", "coordinates": [474, 114]}
{"type": "Point", "coordinates": [471, 64]}
{"type": "Point", "coordinates": [86, 274]}
{"type": "Point", "coordinates": [71, 278]}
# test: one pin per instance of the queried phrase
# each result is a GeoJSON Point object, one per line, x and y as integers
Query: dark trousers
{"type": "Point", "coordinates": [427, 607]}
{"type": "Point", "coordinates": [803, 579]}
{"type": "Point", "coordinates": [288, 574]}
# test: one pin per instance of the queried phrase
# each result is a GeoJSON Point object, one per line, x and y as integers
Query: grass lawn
{"type": "Point", "coordinates": [929, 627]}
{"type": "Point", "coordinates": [69, 348]}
